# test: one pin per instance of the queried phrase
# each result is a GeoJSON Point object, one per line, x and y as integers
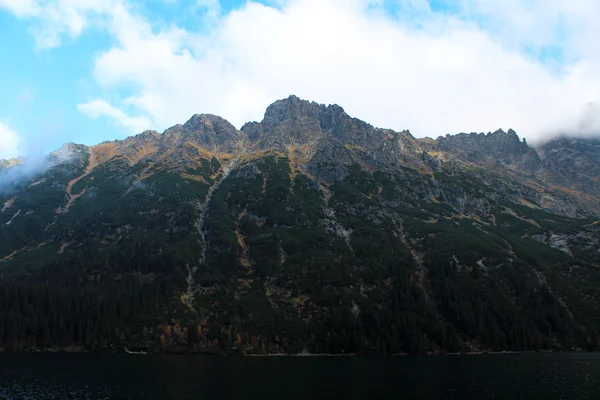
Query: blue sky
{"type": "Point", "coordinates": [94, 70]}
{"type": "Point", "coordinates": [41, 87]}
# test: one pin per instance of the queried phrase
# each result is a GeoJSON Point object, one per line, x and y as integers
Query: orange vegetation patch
{"type": "Point", "coordinates": [255, 155]}
{"type": "Point", "coordinates": [13, 218]}
{"type": "Point", "coordinates": [92, 163]}
{"type": "Point", "coordinates": [528, 203]}
{"type": "Point", "coordinates": [438, 154]}
{"type": "Point", "coordinates": [103, 152]}
{"type": "Point", "coordinates": [264, 184]}
{"type": "Point", "coordinates": [528, 220]}
{"type": "Point", "coordinates": [244, 259]}
{"type": "Point", "coordinates": [374, 195]}
{"type": "Point", "coordinates": [37, 182]}
{"type": "Point", "coordinates": [458, 216]}
{"type": "Point", "coordinates": [299, 156]}
{"type": "Point", "coordinates": [510, 249]}
{"type": "Point", "coordinates": [107, 151]}
{"type": "Point", "coordinates": [209, 154]}
{"type": "Point", "coordinates": [142, 153]}
{"type": "Point", "coordinates": [11, 255]}
{"type": "Point", "coordinates": [198, 178]}
{"type": "Point", "coordinates": [351, 147]}
{"type": "Point", "coordinates": [42, 244]}
{"type": "Point", "coordinates": [574, 193]}
{"type": "Point", "coordinates": [64, 246]}
{"type": "Point", "coordinates": [535, 186]}
{"type": "Point", "coordinates": [9, 203]}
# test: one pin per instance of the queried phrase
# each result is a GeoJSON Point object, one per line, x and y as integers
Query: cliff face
{"type": "Point", "coordinates": [308, 230]}
{"type": "Point", "coordinates": [572, 163]}
{"type": "Point", "coordinates": [493, 148]}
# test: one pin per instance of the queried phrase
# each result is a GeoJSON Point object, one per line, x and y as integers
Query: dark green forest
{"type": "Point", "coordinates": [278, 263]}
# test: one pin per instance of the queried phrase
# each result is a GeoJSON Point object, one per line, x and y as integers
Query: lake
{"type": "Point", "coordinates": [105, 376]}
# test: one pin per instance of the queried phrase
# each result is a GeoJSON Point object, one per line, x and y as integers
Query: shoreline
{"type": "Point", "coordinates": [182, 352]}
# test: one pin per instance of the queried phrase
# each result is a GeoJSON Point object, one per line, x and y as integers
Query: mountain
{"type": "Point", "coordinates": [308, 231]}
{"type": "Point", "coordinates": [573, 162]}
{"type": "Point", "coordinates": [4, 164]}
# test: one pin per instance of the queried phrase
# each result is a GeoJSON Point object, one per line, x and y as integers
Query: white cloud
{"type": "Point", "coordinates": [447, 76]}
{"type": "Point", "coordinates": [213, 7]}
{"type": "Point", "coordinates": [590, 120]}
{"type": "Point", "coordinates": [21, 8]}
{"type": "Point", "coordinates": [100, 108]}
{"type": "Point", "coordinates": [472, 70]}
{"type": "Point", "coordinates": [55, 19]}
{"type": "Point", "coordinates": [9, 142]}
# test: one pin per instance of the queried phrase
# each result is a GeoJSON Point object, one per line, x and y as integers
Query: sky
{"type": "Point", "coordinates": [87, 71]}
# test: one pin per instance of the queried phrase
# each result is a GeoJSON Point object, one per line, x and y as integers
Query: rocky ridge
{"type": "Point", "coordinates": [311, 229]}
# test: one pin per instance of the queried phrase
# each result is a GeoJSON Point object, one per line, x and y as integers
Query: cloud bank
{"type": "Point", "coordinates": [98, 108]}
{"type": "Point", "coordinates": [476, 65]}
{"type": "Point", "coordinates": [9, 142]}
{"type": "Point", "coordinates": [33, 159]}
{"type": "Point", "coordinates": [31, 166]}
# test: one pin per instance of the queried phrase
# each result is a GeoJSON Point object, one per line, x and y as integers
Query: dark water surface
{"type": "Point", "coordinates": [96, 376]}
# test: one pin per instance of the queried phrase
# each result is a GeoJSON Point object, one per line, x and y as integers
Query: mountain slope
{"type": "Point", "coordinates": [310, 230]}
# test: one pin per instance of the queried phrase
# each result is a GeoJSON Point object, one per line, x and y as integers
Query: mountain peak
{"type": "Point", "coordinates": [293, 121]}
{"type": "Point", "coordinates": [11, 162]}
{"type": "Point", "coordinates": [500, 132]}
{"type": "Point", "coordinates": [206, 119]}
{"type": "Point", "coordinates": [207, 130]}
{"type": "Point", "coordinates": [291, 107]}
{"type": "Point", "coordinates": [499, 145]}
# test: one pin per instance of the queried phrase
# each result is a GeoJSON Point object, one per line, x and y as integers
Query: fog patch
{"type": "Point", "coordinates": [590, 120]}
{"type": "Point", "coordinates": [586, 125]}
{"type": "Point", "coordinates": [15, 174]}
{"type": "Point", "coordinates": [140, 186]}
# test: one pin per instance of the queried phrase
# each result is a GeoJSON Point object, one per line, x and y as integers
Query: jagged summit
{"type": "Point", "coordinates": [313, 135]}
{"type": "Point", "coordinates": [215, 131]}
{"type": "Point", "coordinates": [292, 108]}
{"type": "Point", "coordinates": [296, 122]}
{"type": "Point", "coordinates": [493, 147]}
{"type": "Point", "coordinates": [293, 121]}
{"type": "Point", "coordinates": [11, 162]}
{"type": "Point", "coordinates": [511, 135]}
{"type": "Point", "coordinates": [212, 132]}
